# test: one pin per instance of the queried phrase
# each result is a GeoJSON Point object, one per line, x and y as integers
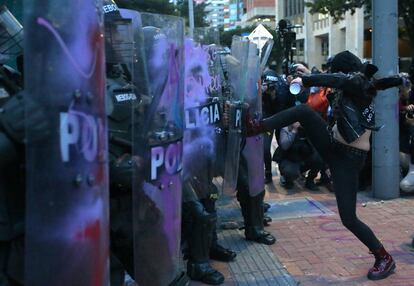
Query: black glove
{"type": "Point", "coordinates": [12, 119]}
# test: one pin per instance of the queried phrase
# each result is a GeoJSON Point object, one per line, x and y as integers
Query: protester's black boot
{"type": "Point", "coordinates": [310, 184]}
{"type": "Point", "coordinates": [252, 210]}
{"type": "Point", "coordinates": [199, 243]}
{"type": "Point", "coordinates": [384, 265]}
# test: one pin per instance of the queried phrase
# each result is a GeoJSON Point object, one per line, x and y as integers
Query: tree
{"type": "Point", "coordinates": [199, 13]}
{"type": "Point", "coordinates": [167, 8]}
{"type": "Point", "coordinates": [337, 9]}
{"type": "Point", "coordinates": [153, 6]}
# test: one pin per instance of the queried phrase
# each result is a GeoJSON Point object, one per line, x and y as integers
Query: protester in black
{"type": "Point", "coordinates": [344, 147]}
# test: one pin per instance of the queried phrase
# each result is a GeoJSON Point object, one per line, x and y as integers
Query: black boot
{"type": "Point", "coordinates": [218, 252]}
{"type": "Point", "coordinates": [310, 184]}
{"type": "Point", "coordinates": [310, 179]}
{"type": "Point", "coordinates": [252, 210]}
{"type": "Point", "coordinates": [199, 242]}
{"type": "Point", "coordinates": [267, 220]}
{"type": "Point", "coordinates": [205, 273]}
{"type": "Point", "coordinates": [266, 207]}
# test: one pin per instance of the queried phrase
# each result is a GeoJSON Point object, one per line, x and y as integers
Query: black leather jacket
{"type": "Point", "coordinates": [353, 106]}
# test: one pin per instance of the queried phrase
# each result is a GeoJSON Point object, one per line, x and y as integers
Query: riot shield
{"type": "Point", "coordinates": [140, 75]}
{"type": "Point", "coordinates": [202, 115]}
{"type": "Point", "coordinates": [157, 149]}
{"type": "Point", "coordinates": [67, 238]}
{"type": "Point", "coordinates": [253, 150]}
{"type": "Point", "coordinates": [265, 54]}
{"type": "Point", "coordinates": [237, 65]}
{"type": "Point", "coordinates": [215, 92]}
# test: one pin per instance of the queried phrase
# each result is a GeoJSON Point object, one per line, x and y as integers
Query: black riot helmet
{"type": "Point", "coordinates": [119, 43]}
{"type": "Point", "coordinates": [272, 81]}
{"type": "Point", "coordinates": [11, 35]}
{"type": "Point", "coordinates": [270, 78]}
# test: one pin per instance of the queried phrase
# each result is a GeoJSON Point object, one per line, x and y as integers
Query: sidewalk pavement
{"type": "Point", "coordinates": [315, 249]}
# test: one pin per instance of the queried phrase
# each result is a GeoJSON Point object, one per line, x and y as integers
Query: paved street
{"type": "Point", "coordinates": [313, 248]}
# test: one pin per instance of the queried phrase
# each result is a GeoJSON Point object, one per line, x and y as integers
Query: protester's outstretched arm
{"type": "Point", "coordinates": [388, 82]}
{"type": "Point", "coordinates": [335, 80]}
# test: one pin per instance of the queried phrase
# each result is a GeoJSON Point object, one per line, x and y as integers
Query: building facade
{"type": "Point", "coordinates": [319, 37]}
{"type": "Point", "coordinates": [215, 12]}
{"type": "Point", "coordinates": [259, 12]}
{"type": "Point", "coordinates": [234, 16]}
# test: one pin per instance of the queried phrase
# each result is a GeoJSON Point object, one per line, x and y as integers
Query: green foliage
{"type": "Point", "coordinates": [199, 13]}
{"type": "Point", "coordinates": [153, 6]}
{"type": "Point", "coordinates": [165, 7]}
{"type": "Point", "coordinates": [337, 8]}
{"type": "Point", "coordinates": [406, 10]}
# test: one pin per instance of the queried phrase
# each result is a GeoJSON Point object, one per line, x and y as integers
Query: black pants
{"type": "Point", "coordinates": [291, 169]}
{"type": "Point", "coordinates": [267, 142]}
{"type": "Point", "coordinates": [344, 162]}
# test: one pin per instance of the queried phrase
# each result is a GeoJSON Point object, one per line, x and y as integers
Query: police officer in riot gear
{"type": "Point", "coordinates": [198, 228]}
{"type": "Point", "coordinates": [157, 128]}
{"type": "Point", "coordinates": [252, 208]}
{"type": "Point", "coordinates": [120, 98]}
{"type": "Point", "coordinates": [200, 231]}
{"type": "Point", "coordinates": [12, 137]}
{"type": "Point", "coordinates": [199, 215]}
{"type": "Point", "coordinates": [125, 103]}
{"type": "Point", "coordinates": [12, 190]}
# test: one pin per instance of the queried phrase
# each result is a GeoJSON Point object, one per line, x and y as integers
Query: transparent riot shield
{"type": "Point", "coordinates": [237, 65]}
{"type": "Point", "coordinates": [67, 237]}
{"type": "Point", "coordinates": [215, 91]}
{"type": "Point", "coordinates": [265, 54]}
{"type": "Point", "coordinates": [253, 150]}
{"type": "Point", "coordinates": [140, 75]}
{"type": "Point", "coordinates": [202, 115]}
{"type": "Point", "coordinates": [157, 150]}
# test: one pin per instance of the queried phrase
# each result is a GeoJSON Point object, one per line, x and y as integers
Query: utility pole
{"type": "Point", "coordinates": [385, 153]}
{"type": "Point", "coordinates": [238, 11]}
{"type": "Point", "coordinates": [191, 17]}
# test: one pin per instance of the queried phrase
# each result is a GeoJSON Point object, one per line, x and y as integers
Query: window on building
{"type": "Point", "coordinates": [300, 47]}
{"type": "Point", "coordinates": [325, 47]}
{"type": "Point", "coordinates": [286, 8]}
{"type": "Point", "coordinates": [297, 7]}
